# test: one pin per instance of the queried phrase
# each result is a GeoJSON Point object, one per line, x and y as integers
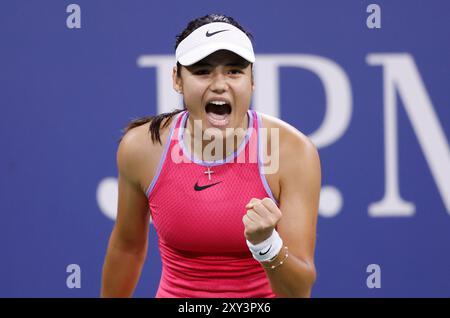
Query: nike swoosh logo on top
{"type": "Point", "coordinates": [266, 251]}
{"type": "Point", "coordinates": [211, 34]}
{"type": "Point", "coordinates": [200, 188]}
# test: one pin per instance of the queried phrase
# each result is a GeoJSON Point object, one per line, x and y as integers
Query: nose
{"type": "Point", "coordinates": [219, 83]}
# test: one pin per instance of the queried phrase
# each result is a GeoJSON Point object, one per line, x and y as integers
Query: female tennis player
{"type": "Point", "coordinates": [226, 225]}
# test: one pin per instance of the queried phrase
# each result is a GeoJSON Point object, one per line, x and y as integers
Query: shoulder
{"type": "Point", "coordinates": [131, 152]}
{"type": "Point", "coordinates": [137, 154]}
{"type": "Point", "coordinates": [296, 150]}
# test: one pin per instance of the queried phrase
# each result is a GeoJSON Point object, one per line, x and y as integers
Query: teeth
{"type": "Point", "coordinates": [218, 102]}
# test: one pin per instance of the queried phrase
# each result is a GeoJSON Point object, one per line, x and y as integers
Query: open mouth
{"type": "Point", "coordinates": [224, 109]}
{"type": "Point", "coordinates": [218, 113]}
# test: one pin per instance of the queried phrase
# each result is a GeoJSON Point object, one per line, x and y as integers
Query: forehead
{"type": "Point", "coordinates": [222, 57]}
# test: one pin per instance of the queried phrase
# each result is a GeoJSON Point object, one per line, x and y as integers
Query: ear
{"type": "Point", "coordinates": [177, 82]}
{"type": "Point", "coordinates": [253, 82]}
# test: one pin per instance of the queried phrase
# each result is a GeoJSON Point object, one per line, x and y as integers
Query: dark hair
{"type": "Point", "coordinates": [155, 121]}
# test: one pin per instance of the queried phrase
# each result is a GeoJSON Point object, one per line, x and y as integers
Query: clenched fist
{"type": "Point", "coordinates": [261, 218]}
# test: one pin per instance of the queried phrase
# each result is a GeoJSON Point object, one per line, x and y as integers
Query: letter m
{"type": "Point", "coordinates": [400, 75]}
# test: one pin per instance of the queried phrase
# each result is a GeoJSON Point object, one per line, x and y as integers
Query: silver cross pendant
{"type": "Point", "coordinates": [209, 172]}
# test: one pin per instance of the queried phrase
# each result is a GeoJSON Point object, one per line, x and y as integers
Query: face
{"type": "Point", "coordinates": [217, 90]}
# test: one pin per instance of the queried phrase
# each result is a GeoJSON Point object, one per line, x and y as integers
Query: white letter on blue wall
{"type": "Point", "coordinates": [400, 75]}
{"type": "Point", "coordinates": [337, 90]}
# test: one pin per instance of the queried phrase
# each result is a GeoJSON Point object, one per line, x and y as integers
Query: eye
{"type": "Point", "coordinates": [201, 72]}
{"type": "Point", "coordinates": [236, 71]}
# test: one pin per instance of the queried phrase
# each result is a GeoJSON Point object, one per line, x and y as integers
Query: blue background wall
{"type": "Point", "coordinates": [66, 93]}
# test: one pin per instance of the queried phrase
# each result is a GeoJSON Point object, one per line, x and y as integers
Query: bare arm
{"type": "Point", "coordinates": [128, 243]}
{"type": "Point", "coordinates": [299, 199]}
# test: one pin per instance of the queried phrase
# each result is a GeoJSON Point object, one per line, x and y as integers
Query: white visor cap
{"type": "Point", "coordinates": [210, 38]}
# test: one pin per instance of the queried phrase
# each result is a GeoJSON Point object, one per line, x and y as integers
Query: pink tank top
{"type": "Point", "coordinates": [197, 209]}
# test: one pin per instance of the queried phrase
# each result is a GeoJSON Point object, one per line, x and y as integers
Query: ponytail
{"type": "Point", "coordinates": [155, 124]}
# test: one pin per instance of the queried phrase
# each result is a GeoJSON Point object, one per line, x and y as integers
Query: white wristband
{"type": "Point", "coordinates": [268, 248]}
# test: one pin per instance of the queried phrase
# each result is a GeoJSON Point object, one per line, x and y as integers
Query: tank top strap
{"type": "Point", "coordinates": [169, 143]}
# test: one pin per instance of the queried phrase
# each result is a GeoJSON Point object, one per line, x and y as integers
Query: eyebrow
{"type": "Point", "coordinates": [239, 64]}
{"type": "Point", "coordinates": [234, 63]}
